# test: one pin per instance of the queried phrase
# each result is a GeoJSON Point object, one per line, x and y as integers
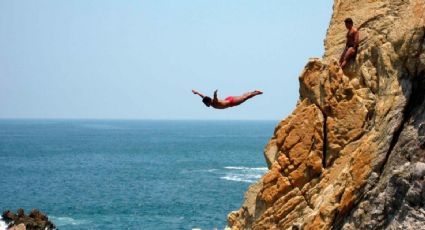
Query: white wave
{"type": "Point", "coordinates": [64, 220]}
{"type": "Point", "coordinates": [206, 170]}
{"type": "Point", "coordinates": [236, 178]}
{"type": "Point", "coordinates": [185, 171]}
{"type": "Point", "coordinates": [243, 174]}
{"type": "Point", "coordinates": [3, 225]}
{"type": "Point", "coordinates": [246, 168]}
{"type": "Point", "coordinates": [235, 173]}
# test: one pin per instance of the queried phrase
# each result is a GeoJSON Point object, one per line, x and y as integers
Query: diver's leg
{"type": "Point", "coordinates": [240, 99]}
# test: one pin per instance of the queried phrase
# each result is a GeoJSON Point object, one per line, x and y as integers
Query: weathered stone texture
{"type": "Point", "coordinates": [36, 220]}
{"type": "Point", "coordinates": [351, 155]}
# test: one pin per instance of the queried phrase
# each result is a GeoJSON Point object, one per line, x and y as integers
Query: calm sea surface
{"type": "Point", "coordinates": [98, 174]}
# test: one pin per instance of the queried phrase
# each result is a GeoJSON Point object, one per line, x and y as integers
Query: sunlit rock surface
{"type": "Point", "coordinates": [351, 155]}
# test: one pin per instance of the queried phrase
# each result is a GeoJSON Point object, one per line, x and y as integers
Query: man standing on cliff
{"type": "Point", "coordinates": [352, 43]}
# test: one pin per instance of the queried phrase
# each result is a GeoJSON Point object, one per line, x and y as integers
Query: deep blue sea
{"type": "Point", "coordinates": [112, 174]}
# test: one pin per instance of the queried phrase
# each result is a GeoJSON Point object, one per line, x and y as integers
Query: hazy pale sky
{"type": "Point", "coordinates": [140, 59]}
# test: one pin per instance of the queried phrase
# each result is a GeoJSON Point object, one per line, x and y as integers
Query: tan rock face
{"type": "Point", "coordinates": [333, 156]}
{"type": "Point", "coordinates": [18, 227]}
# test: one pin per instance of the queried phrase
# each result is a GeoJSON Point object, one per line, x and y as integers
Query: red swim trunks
{"type": "Point", "coordinates": [230, 99]}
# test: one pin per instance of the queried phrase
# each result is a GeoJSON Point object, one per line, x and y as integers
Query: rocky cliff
{"type": "Point", "coordinates": [351, 155]}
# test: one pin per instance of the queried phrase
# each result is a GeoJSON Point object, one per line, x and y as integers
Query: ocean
{"type": "Point", "coordinates": [124, 174]}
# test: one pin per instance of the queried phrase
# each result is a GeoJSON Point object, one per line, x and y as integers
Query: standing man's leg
{"type": "Point", "coordinates": [341, 59]}
{"type": "Point", "coordinates": [349, 54]}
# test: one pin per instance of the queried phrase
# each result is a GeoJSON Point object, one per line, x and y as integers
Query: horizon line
{"type": "Point", "coordinates": [138, 119]}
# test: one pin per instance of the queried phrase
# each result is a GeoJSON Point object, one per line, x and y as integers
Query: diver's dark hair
{"type": "Point", "coordinates": [348, 21]}
{"type": "Point", "coordinates": [207, 101]}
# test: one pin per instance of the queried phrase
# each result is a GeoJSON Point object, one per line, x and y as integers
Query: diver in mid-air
{"type": "Point", "coordinates": [228, 101]}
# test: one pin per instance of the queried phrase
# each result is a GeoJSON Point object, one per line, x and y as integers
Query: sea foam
{"type": "Point", "coordinates": [243, 174]}
{"type": "Point", "coordinates": [64, 220]}
{"type": "Point", "coordinates": [3, 225]}
{"type": "Point", "coordinates": [246, 168]}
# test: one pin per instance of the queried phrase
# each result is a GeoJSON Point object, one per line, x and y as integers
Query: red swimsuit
{"type": "Point", "coordinates": [230, 99]}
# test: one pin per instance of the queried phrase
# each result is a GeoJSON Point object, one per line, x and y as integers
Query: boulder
{"type": "Point", "coordinates": [36, 220]}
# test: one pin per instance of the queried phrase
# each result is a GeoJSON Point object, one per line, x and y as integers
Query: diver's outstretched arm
{"type": "Point", "coordinates": [198, 93]}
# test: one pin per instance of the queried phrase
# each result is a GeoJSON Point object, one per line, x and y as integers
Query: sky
{"type": "Point", "coordinates": [102, 59]}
